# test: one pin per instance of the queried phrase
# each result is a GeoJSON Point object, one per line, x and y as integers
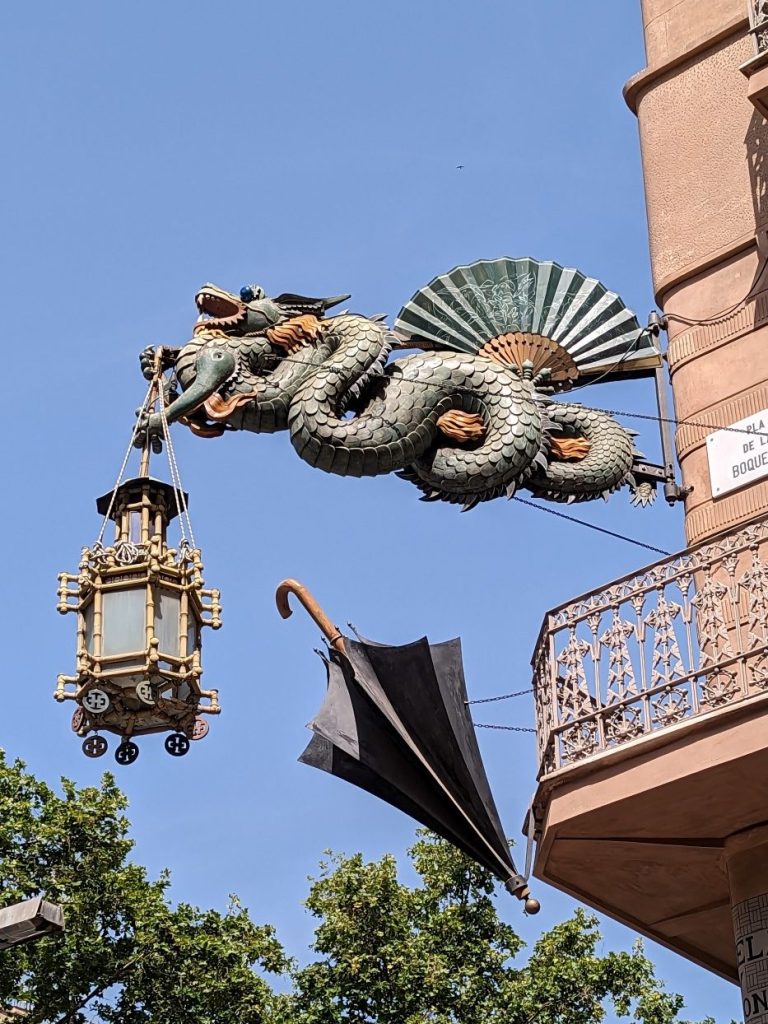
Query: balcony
{"type": "Point", "coordinates": [682, 639]}
{"type": "Point", "coordinates": [652, 720]}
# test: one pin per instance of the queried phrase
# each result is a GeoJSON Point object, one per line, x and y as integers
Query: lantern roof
{"type": "Point", "coordinates": [106, 506]}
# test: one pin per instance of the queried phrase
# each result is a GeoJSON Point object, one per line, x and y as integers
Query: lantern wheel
{"type": "Point", "coordinates": [127, 752]}
{"type": "Point", "coordinates": [94, 746]}
{"type": "Point", "coordinates": [199, 729]}
{"type": "Point", "coordinates": [177, 744]}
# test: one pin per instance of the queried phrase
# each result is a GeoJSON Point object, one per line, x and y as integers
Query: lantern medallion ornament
{"type": "Point", "coordinates": [141, 607]}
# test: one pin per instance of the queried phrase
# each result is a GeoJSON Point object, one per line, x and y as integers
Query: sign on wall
{"type": "Point", "coordinates": [750, 926]}
{"type": "Point", "coordinates": [739, 455]}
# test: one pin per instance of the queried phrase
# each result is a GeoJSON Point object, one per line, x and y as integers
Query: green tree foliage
{"type": "Point", "coordinates": [127, 957]}
{"type": "Point", "coordinates": [439, 954]}
{"type": "Point", "coordinates": [386, 953]}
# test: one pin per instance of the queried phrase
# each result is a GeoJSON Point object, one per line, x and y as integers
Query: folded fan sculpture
{"type": "Point", "coordinates": [395, 723]}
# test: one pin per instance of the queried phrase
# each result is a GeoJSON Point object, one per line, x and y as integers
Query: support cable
{"type": "Point", "coordinates": [592, 526]}
{"type": "Point", "coordinates": [461, 389]}
{"type": "Point", "coordinates": [181, 501]}
{"type": "Point", "coordinates": [139, 415]}
{"type": "Point", "coordinates": [679, 422]}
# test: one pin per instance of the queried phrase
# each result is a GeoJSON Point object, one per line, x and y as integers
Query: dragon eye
{"type": "Point", "coordinates": [246, 294]}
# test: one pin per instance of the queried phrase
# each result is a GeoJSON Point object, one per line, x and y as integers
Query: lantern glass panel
{"type": "Point", "coordinates": [124, 621]}
{"type": "Point", "coordinates": [193, 635]}
{"type": "Point", "coordinates": [167, 609]}
{"type": "Point", "coordinates": [88, 627]}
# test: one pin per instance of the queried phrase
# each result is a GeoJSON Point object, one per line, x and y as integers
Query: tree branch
{"type": "Point", "coordinates": [67, 1018]}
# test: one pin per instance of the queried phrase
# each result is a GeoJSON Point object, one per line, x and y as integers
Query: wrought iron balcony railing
{"type": "Point", "coordinates": [683, 637]}
{"type": "Point", "coordinates": [758, 21]}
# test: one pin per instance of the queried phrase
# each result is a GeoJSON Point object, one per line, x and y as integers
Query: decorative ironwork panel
{"type": "Point", "coordinates": [679, 639]}
{"type": "Point", "coordinates": [758, 17]}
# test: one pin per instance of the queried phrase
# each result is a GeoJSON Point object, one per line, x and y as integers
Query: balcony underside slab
{"type": "Point", "coordinates": [641, 837]}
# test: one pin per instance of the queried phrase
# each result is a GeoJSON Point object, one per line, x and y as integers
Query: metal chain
{"type": "Point", "coordinates": [504, 696]}
{"type": "Point", "coordinates": [505, 728]}
{"type": "Point", "coordinates": [139, 417]}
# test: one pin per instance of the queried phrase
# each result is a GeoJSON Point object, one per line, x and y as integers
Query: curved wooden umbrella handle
{"type": "Point", "coordinates": [331, 632]}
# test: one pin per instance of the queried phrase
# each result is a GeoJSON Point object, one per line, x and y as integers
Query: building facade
{"type": "Point", "coordinates": [652, 691]}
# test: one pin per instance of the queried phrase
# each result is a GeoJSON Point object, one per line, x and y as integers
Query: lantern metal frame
{"type": "Point", "coordinates": [148, 689]}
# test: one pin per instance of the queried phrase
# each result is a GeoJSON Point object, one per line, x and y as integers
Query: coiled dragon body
{"type": "Point", "coordinates": [462, 427]}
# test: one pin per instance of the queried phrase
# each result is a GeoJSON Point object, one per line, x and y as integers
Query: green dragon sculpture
{"type": "Point", "coordinates": [463, 427]}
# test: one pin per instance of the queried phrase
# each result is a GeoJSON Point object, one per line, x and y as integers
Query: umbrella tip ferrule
{"type": "Point", "coordinates": [517, 886]}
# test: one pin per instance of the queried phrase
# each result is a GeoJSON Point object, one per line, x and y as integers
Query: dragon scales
{"type": "Point", "coordinates": [464, 427]}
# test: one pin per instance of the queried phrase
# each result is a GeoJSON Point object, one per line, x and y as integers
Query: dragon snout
{"type": "Point", "coordinates": [213, 367]}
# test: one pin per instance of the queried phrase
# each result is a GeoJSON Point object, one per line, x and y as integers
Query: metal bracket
{"type": "Point", "coordinates": [673, 492]}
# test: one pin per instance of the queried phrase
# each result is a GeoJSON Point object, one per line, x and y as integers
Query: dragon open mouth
{"type": "Point", "coordinates": [218, 309]}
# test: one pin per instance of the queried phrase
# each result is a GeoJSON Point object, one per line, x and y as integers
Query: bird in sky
{"type": "Point", "coordinates": [459, 167]}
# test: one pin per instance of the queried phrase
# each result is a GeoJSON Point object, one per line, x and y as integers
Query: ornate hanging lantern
{"type": "Point", "coordinates": [141, 607]}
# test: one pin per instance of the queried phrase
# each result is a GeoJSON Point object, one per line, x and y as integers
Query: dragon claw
{"type": "Point", "coordinates": [149, 429]}
{"type": "Point", "coordinates": [148, 360]}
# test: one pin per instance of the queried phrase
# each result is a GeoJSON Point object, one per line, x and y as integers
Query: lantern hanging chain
{"type": "Point", "coordinates": [145, 407]}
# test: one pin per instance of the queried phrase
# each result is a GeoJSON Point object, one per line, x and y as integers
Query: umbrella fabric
{"type": "Point", "coordinates": [395, 723]}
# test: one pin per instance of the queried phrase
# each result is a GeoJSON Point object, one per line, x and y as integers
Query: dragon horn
{"type": "Point", "coordinates": [334, 300]}
{"type": "Point", "coordinates": [307, 303]}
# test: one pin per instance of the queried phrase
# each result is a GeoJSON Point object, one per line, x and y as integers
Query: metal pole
{"type": "Point", "coordinates": [672, 491]}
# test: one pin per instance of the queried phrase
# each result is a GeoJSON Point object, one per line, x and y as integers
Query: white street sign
{"type": "Point", "coordinates": [735, 457]}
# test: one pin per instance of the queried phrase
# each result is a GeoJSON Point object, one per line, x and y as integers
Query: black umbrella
{"type": "Point", "coordinates": [395, 723]}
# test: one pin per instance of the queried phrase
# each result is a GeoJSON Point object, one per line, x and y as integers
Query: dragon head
{"type": "Point", "coordinates": [253, 311]}
{"type": "Point", "coordinates": [272, 326]}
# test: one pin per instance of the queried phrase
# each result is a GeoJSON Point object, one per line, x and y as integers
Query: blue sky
{"type": "Point", "coordinates": [311, 147]}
